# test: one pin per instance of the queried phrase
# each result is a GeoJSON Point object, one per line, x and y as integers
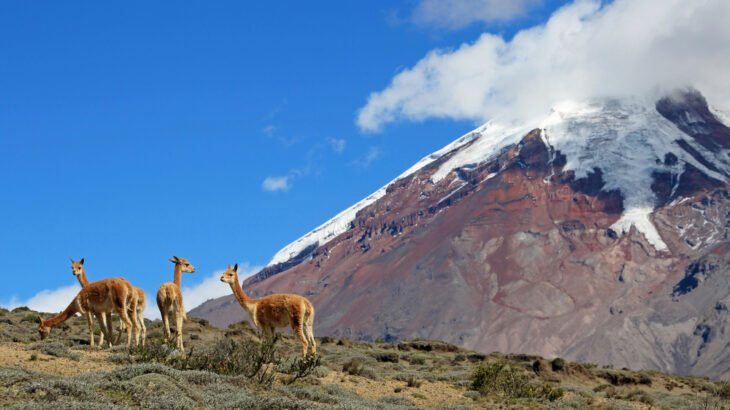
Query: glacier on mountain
{"type": "Point", "coordinates": [627, 139]}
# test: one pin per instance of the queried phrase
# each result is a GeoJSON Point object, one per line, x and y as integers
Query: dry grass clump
{"type": "Point", "coordinates": [632, 394]}
{"type": "Point", "coordinates": [54, 348]}
{"type": "Point", "coordinates": [357, 367]}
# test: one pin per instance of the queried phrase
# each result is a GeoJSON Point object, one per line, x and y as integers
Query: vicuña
{"type": "Point", "coordinates": [170, 301]}
{"type": "Point", "coordinates": [277, 310]}
{"type": "Point", "coordinates": [80, 272]}
{"type": "Point", "coordinates": [99, 299]}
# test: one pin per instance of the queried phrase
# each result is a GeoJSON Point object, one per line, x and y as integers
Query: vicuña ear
{"type": "Point", "coordinates": [174, 259]}
{"type": "Point", "coordinates": [40, 319]}
{"type": "Point", "coordinates": [81, 261]}
{"type": "Point", "coordinates": [235, 268]}
{"type": "Point", "coordinates": [72, 261]}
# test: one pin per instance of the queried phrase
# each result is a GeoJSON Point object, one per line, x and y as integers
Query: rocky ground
{"type": "Point", "coordinates": [231, 368]}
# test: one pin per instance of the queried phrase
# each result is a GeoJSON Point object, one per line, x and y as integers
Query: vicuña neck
{"type": "Point", "coordinates": [63, 316]}
{"type": "Point", "coordinates": [178, 274]}
{"type": "Point", "coordinates": [246, 302]}
{"type": "Point", "coordinates": [83, 280]}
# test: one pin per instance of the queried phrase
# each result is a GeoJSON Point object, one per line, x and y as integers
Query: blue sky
{"type": "Point", "coordinates": [215, 131]}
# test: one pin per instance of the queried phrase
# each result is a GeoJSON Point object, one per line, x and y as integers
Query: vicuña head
{"type": "Point", "coordinates": [77, 267]}
{"type": "Point", "coordinates": [230, 275]}
{"type": "Point", "coordinates": [43, 330]}
{"type": "Point", "coordinates": [185, 266]}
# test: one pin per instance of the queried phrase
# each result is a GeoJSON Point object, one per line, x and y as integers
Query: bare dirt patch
{"type": "Point", "coordinates": [16, 355]}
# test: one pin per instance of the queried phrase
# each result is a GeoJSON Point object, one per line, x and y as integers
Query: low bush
{"type": "Point", "coordinates": [254, 360]}
{"type": "Point", "coordinates": [723, 390]}
{"type": "Point", "coordinates": [476, 357]}
{"type": "Point", "coordinates": [621, 377]}
{"type": "Point", "coordinates": [557, 364]}
{"type": "Point", "coordinates": [511, 382]}
{"type": "Point", "coordinates": [54, 348]}
{"type": "Point", "coordinates": [417, 360]}
{"type": "Point", "coordinates": [389, 357]}
{"type": "Point", "coordinates": [301, 367]}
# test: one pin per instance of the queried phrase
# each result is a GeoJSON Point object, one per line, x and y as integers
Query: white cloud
{"type": "Point", "coordinates": [273, 184]}
{"type": "Point", "coordinates": [338, 144]}
{"type": "Point", "coordinates": [48, 300]}
{"type": "Point", "coordinates": [585, 50]}
{"type": "Point", "coordinates": [454, 14]}
{"type": "Point", "coordinates": [371, 156]}
{"type": "Point", "coordinates": [269, 130]}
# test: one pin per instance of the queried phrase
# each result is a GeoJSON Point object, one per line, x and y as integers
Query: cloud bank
{"type": "Point", "coordinates": [48, 300]}
{"type": "Point", "coordinates": [585, 50]}
{"type": "Point", "coordinates": [454, 14]}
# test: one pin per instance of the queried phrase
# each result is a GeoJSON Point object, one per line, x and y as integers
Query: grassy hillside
{"type": "Point", "coordinates": [232, 369]}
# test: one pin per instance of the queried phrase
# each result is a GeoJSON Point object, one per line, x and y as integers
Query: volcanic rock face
{"type": "Point", "coordinates": [600, 234]}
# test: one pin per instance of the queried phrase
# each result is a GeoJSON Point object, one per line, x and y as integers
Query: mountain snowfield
{"type": "Point", "coordinates": [627, 139]}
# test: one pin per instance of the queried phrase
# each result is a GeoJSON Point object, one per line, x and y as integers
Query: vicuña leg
{"type": "Point", "coordinates": [309, 331]}
{"type": "Point", "coordinates": [296, 321]}
{"type": "Point", "coordinates": [141, 325]}
{"type": "Point", "coordinates": [179, 329]}
{"type": "Point", "coordinates": [90, 322]}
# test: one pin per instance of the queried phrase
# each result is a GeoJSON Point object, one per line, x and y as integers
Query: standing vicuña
{"type": "Point", "coordinates": [170, 301]}
{"type": "Point", "coordinates": [99, 299]}
{"type": "Point", "coordinates": [277, 310]}
{"type": "Point", "coordinates": [80, 272]}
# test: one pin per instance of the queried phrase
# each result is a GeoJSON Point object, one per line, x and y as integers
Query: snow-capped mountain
{"type": "Point", "coordinates": [596, 232]}
{"type": "Point", "coordinates": [592, 135]}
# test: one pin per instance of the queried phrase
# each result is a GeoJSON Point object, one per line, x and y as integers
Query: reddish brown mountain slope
{"type": "Point", "coordinates": [517, 255]}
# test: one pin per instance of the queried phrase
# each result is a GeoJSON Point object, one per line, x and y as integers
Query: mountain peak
{"type": "Point", "coordinates": [627, 139]}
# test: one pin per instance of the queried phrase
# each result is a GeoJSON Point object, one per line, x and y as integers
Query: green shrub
{"type": "Point", "coordinates": [476, 357]}
{"type": "Point", "coordinates": [644, 378]}
{"type": "Point", "coordinates": [557, 364]}
{"type": "Point", "coordinates": [504, 380]}
{"type": "Point", "coordinates": [723, 390]}
{"type": "Point", "coordinates": [417, 360]}
{"type": "Point", "coordinates": [301, 367]}
{"type": "Point", "coordinates": [254, 360]}
{"type": "Point", "coordinates": [390, 357]}
{"type": "Point", "coordinates": [326, 340]}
